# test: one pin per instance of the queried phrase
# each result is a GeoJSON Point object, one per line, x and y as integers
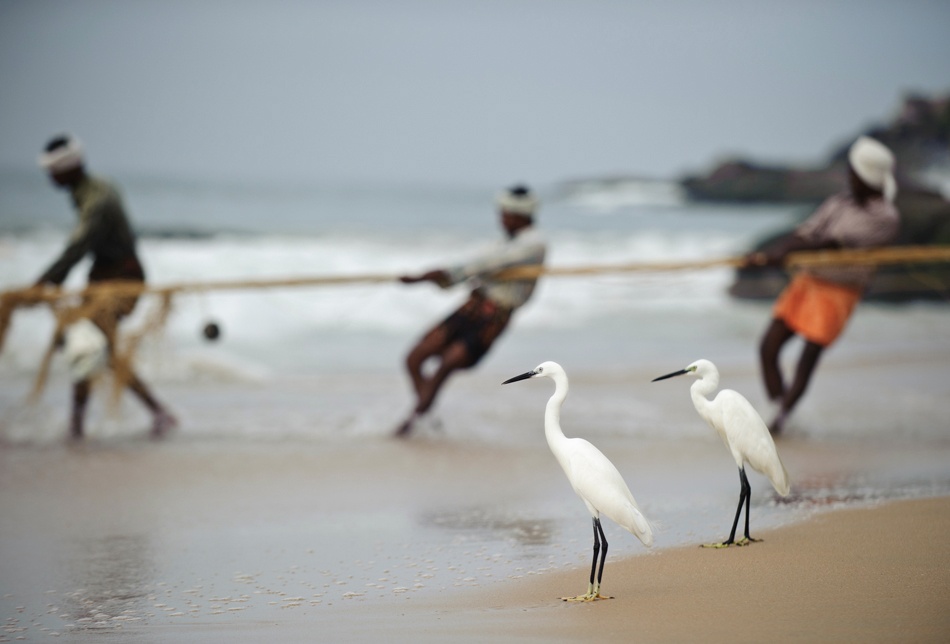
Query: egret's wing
{"type": "Point", "coordinates": [749, 438]}
{"type": "Point", "coordinates": [597, 481]}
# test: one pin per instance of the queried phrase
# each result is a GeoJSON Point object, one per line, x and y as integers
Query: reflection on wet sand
{"type": "Point", "coordinates": [526, 532]}
{"type": "Point", "coordinates": [113, 575]}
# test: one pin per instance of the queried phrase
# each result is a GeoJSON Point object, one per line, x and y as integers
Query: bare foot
{"type": "Point", "coordinates": [164, 422]}
{"type": "Point", "coordinates": [776, 426]}
{"type": "Point", "coordinates": [75, 428]}
{"type": "Point", "coordinates": [403, 430]}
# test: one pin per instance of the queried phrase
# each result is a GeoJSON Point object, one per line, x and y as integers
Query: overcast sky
{"type": "Point", "coordinates": [456, 93]}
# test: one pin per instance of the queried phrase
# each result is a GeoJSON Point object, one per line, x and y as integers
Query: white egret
{"type": "Point", "coordinates": [742, 430]}
{"type": "Point", "coordinates": [593, 477]}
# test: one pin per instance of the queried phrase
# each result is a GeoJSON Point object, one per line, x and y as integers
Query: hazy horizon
{"type": "Point", "coordinates": [456, 93]}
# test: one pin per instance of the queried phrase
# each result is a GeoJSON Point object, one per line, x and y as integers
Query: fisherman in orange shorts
{"type": "Point", "coordinates": [818, 302]}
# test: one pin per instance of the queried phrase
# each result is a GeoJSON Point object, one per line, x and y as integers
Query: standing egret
{"type": "Point", "coordinates": [742, 430]}
{"type": "Point", "coordinates": [593, 477]}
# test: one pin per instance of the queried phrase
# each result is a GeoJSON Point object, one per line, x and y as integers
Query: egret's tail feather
{"type": "Point", "coordinates": [779, 479]}
{"type": "Point", "coordinates": [639, 525]}
{"type": "Point", "coordinates": [655, 526]}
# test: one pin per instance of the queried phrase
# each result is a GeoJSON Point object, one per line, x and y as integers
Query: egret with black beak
{"type": "Point", "coordinates": [593, 477]}
{"type": "Point", "coordinates": [744, 433]}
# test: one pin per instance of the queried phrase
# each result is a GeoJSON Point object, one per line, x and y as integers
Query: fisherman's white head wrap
{"type": "Point", "coordinates": [873, 162]}
{"type": "Point", "coordinates": [517, 200]}
{"type": "Point", "coordinates": [63, 158]}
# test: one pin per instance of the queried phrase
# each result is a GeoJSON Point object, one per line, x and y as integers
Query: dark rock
{"type": "Point", "coordinates": [919, 136]}
{"type": "Point", "coordinates": [745, 182]}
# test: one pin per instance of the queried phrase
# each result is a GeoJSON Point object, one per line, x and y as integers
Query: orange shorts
{"type": "Point", "coordinates": [815, 309]}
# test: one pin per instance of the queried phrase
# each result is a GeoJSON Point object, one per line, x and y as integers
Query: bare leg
{"type": "Point", "coordinates": [806, 367]}
{"type": "Point", "coordinates": [775, 338]}
{"type": "Point", "coordinates": [772, 342]}
{"type": "Point", "coordinates": [431, 344]}
{"type": "Point", "coordinates": [138, 387]}
{"type": "Point", "coordinates": [163, 421]}
{"type": "Point", "coordinates": [454, 357]}
{"type": "Point", "coordinates": [451, 357]}
{"type": "Point", "coordinates": [80, 400]}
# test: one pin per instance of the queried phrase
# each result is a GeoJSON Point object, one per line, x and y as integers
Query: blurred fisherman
{"type": "Point", "coordinates": [818, 302]}
{"type": "Point", "coordinates": [103, 231]}
{"type": "Point", "coordinates": [464, 337]}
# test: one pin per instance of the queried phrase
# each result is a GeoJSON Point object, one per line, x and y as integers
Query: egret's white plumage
{"type": "Point", "coordinates": [594, 478]}
{"type": "Point", "coordinates": [741, 428]}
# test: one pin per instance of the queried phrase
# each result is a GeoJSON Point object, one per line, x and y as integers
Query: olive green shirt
{"type": "Point", "coordinates": [103, 230]}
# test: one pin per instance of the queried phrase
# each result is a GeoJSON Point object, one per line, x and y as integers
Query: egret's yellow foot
{"type": "Point", "coordinates": [744, 541]}
{"type": "Point", "coordinates": [717, 545]}
{"type": "Point", "coordinates": [589, 597]}
{"type": "Point", "coordinates": [592, 595]}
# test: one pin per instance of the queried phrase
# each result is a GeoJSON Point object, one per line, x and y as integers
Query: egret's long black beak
{"type": "Point", "coordinates": [524, 376]}
{"type": "Point", "coordinates": [670, 375]}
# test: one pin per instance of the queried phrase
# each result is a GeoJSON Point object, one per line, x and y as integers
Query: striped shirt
{"type": "Point", "coordinates": [847, 224]}
{"type": "Point", "coordinates": [526, 248]}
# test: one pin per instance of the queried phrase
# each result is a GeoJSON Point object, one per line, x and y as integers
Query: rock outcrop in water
{"type": "Point", "coordinates": [919, 136]}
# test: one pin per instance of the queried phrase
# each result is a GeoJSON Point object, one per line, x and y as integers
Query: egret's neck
{"type": "Point", "coordinates": [700, 392]}
{"type": "Point", "coordinates": [552, 412]}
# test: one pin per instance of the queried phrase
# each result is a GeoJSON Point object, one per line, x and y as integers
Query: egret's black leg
{"type": "Point", "coordinates": [593, 565]}
{"type": "Point", "coordinates": [593, 589]}
{"type": "Point", "coordinates": [748, 498]}
{"type": "Point", "coordinates": [603, 556]}
{"type": "Point", "coordinates": [745, 497]}
{"type": "Point", "coordinates": [743, 485]}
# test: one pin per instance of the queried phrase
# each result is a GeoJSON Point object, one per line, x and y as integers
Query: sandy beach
{"type": "Point", "coordinates": [869, 575]}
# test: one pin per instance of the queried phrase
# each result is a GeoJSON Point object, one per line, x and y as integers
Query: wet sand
{"type": "Point", "coordinates": [204, 542]}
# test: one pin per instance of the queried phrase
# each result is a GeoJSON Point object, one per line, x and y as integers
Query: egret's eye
{"type": "Point", "coordinates": [540, 369]}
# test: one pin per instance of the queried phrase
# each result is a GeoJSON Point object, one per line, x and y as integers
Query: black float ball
{"type": "Point", "coordinates": [212, 331]}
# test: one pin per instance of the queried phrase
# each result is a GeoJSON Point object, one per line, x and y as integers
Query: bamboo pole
{"type": "Point", "coordinates": [70, 305]}
{"type": "Point", "coordinates": [870, 257]}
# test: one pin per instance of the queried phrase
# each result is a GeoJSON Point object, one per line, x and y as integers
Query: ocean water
{"type": "Point", "coordinates": [346, 337]}
{"type": "Point", "coordinates": [193, 233]}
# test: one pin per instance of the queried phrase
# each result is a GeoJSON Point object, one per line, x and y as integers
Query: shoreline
{"type": "Point", "coordinates": [873, 574]}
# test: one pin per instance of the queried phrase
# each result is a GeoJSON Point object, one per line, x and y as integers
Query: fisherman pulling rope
{"type": "Point", "coordinates": [89, 330]}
